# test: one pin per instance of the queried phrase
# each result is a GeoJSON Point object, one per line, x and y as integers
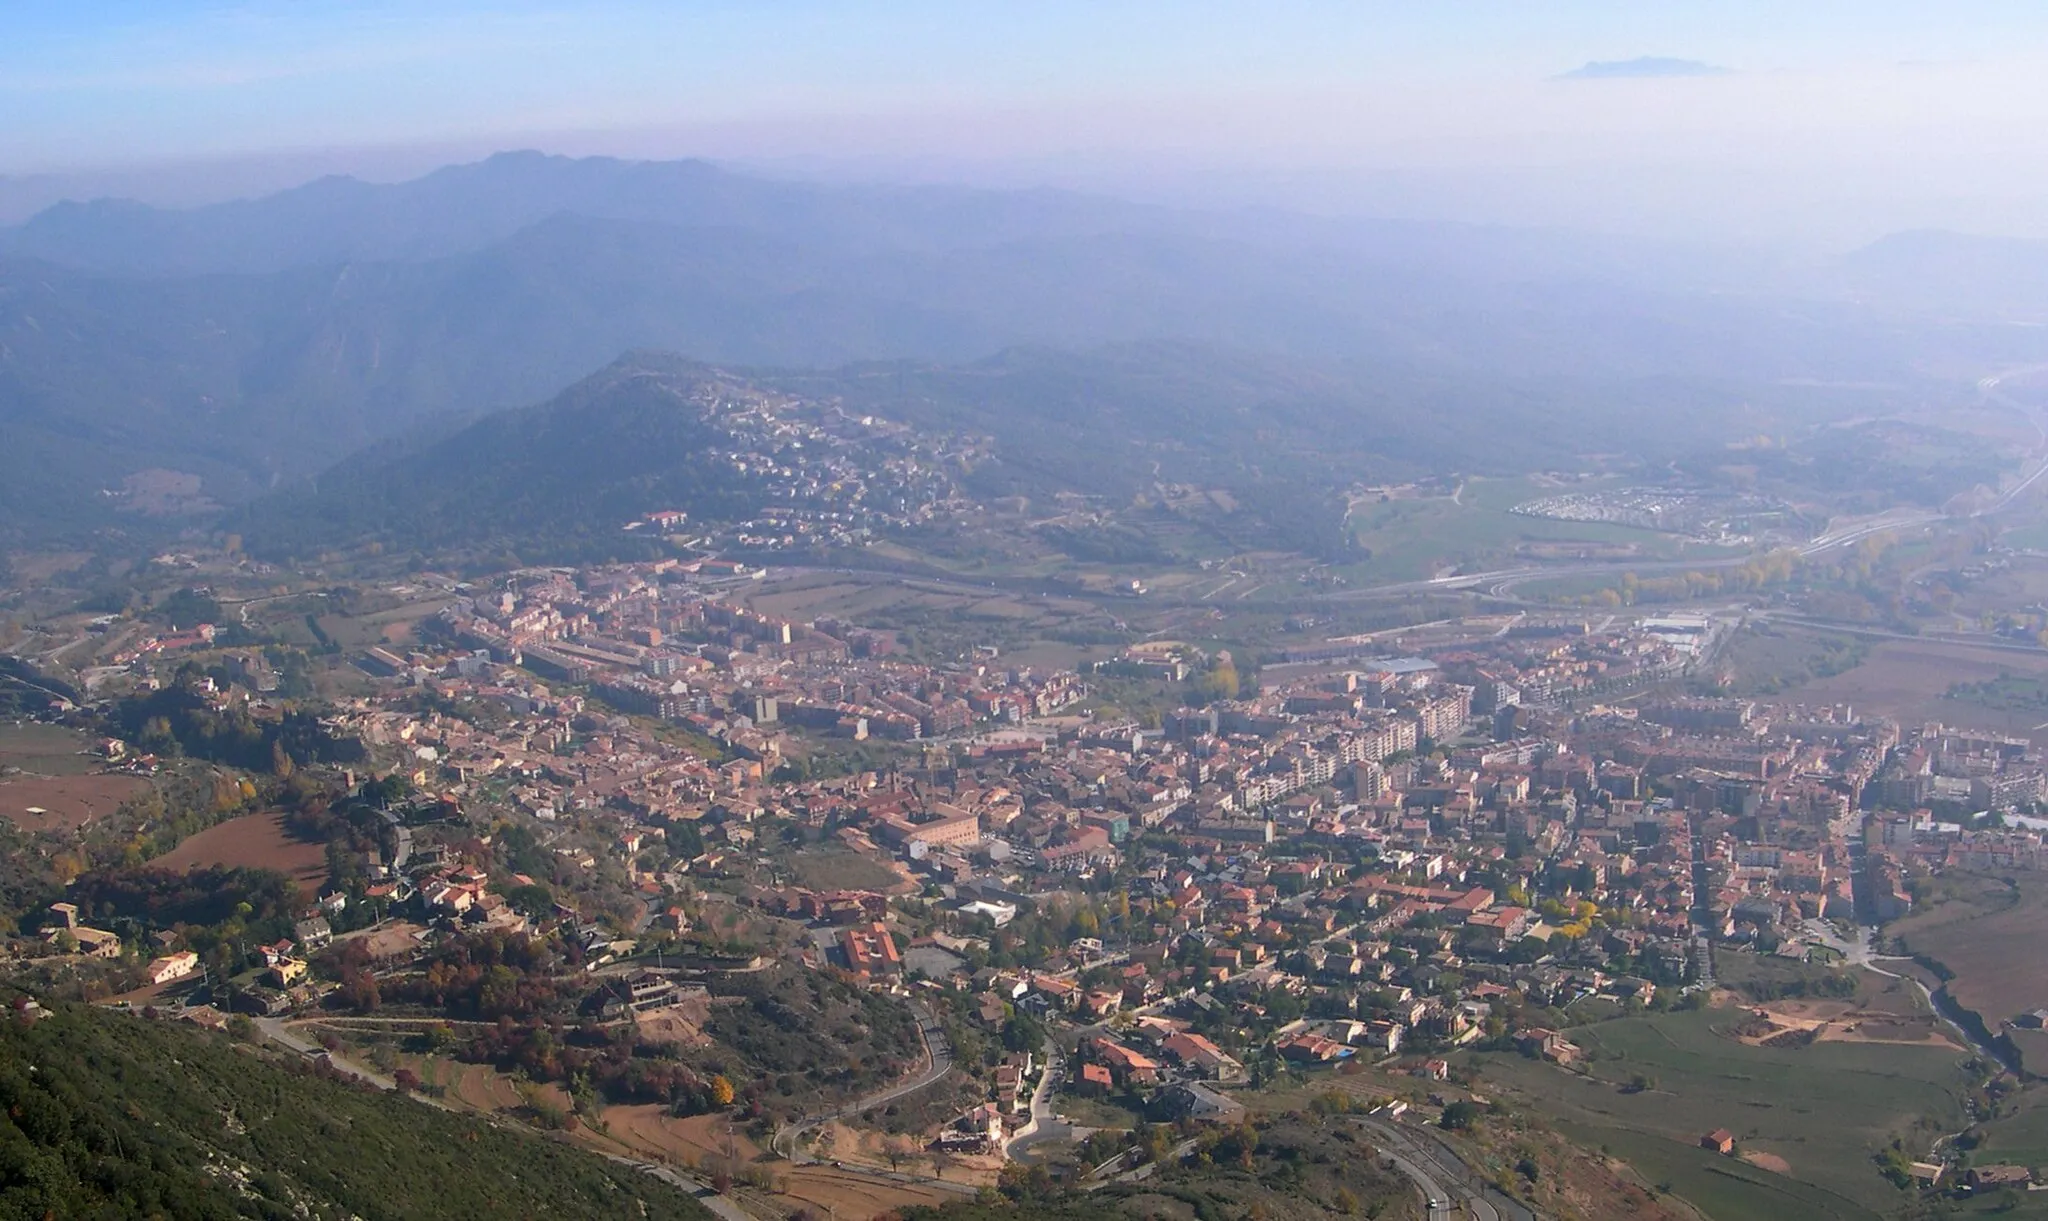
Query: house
{"type": "Point", "coordinates": [870, 950]}
{"type": "Point", "coordinates": [1980, 1178]}
{"type": "Point", "coordinates": [1098, 1004]}
{"type": "Point", "coordinates": [287, 972]}
{"type": "Point", "coordinates": [1720, 1141]}
{"type": "Point", "coordinates": [1306, 1048]}
{"type": "Point", "coordinates": [1548, 1045]}
{"type": "Point", "coordinates": [1095, 1079]}
{"type": "Point", "coordinates": [314, 933]}
{"type": "Point", "coordinates": [1009, 1083]}
{"type": "Point", "coordinates": [263, 1002]}
{"type": "Point", "coordinates": [1130, 1065]}
{"type": "Point", "coordinates": [91, 942]}
{"type": "Point", "coordinates": [171, 966]}
{"type": "Point", "coordinates": [649, 992]}
{"type": "Point", "coordinates": [1383, 1036]}
{"type": "Point", "coordinates": [978, 1131]}
{"type": "Point", "coordinates": [1203, 1056]}
{"type": "Point", "coordinates": [1195, 1101]}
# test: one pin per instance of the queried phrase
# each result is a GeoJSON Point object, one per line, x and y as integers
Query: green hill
{"type": "Point", "coordinates": [105, 1115]}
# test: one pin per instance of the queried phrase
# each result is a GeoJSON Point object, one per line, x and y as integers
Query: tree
{"type": "Point", "coordinates": [721, 1091]}
{"type": "Point", "coordinates": [1459, 1115]}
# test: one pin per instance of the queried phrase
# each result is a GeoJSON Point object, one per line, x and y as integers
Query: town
{"type": "Point", "coordinates": [1382, 850]}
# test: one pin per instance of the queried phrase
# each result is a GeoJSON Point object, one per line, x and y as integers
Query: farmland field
{"type": "Point", "coordinates": [1410, 537]}
{"type": "Point", "coordinates": [947, 617]}
{"type": "Point", "coordinates": [45, 750]}
{"type": "Point", "coordinates": [650, 1131]}
{"type": "Point", "coordinates": [254, 841]}
{"type": "Point", "coordinates": [1988, 933]}
{"type": "Point", "coordinates": [1911, 679]}
{"type": "Point", "coordinates": [49, 783]}
{"type": "Point", "coordinates": [1768, 658]}
{"type": "Point", "coordinates": [837, 869]}
{"type": "Point", "coordinates": [1823, 1110]}
{"type": "Point", "coordinates": [64, 803]}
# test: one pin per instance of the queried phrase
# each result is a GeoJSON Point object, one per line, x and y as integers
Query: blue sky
{"type": "Point", "coordinates": [1817, 90]}
{"type": "Point", "coordinates": [100, 82]}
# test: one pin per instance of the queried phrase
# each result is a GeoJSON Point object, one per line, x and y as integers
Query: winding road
{"type": "Point", "coordinates": [721, 1206]}
{"type": "Point", "coordinates": [938, 1062]}
{"type": "Point", "coordinates": [1443, 1176]}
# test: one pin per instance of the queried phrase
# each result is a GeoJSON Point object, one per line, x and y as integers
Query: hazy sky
{"type": "Point", "coordinates": [1825, 120]}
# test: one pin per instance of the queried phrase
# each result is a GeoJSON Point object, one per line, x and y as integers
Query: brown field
{"type": "Point", "coordinates": [1768, 1161]}
{"type": "Point", "coordinates": [476, 1087]}
{"type": "Point", "coordinates": [1994, 947]}
{"type": "Point", "coordinates": [483, 1088]}
{"type": "Point", "coordinates": [842, 1194]}
{"type": "Point", "coordinates": [864, 1147]}
{"type": "Point", "coordinates": [64, 803]}
{"type": "Point", "coordinates": [254, 841]}
{"type": "Point", "coordinates": [1907, 679]}
{"type": "Point", "coordinates": [649, 1131]}
{"type": "Point", "coordinates": [1843, 1022]}
{"type": "Point", "coordinates": [678, 1026]}
{"type": "Point", "coordinates": [395, 625]}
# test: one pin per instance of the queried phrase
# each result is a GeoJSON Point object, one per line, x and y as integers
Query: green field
{"type": "Point", "coordinates": [830, 869]}
{"type": "Point", "coordinates": [2030, 537]}
{"type": "Point", "coordinates": [2020, 1136]}
{"type": "Point", "coordinates": [1723, 1188]}
{"type": "Point", "coordinates": [1410, 539]}
{"type": "Point", "coordinates": [47, 750]}
{"type": "Point", "coordinates": [1767, 659]}
{"type": "Point", "coordinates": [1826, 1109]}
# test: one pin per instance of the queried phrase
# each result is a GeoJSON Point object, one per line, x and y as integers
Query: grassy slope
{"type": "Point", "coordinates": [107, 1115]}
{"type": "Point", "coordinates": [1826, 1108]}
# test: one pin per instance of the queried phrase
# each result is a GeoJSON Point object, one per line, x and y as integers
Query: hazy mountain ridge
{"type": "Point", "coordinates": [543, 269]}
{"type": "Point", "coordinates": [1120, 425]}
{"type": "Point", "coordinates": [463, 208]}
{"type": "Point", "coordinates": [1959, 273]}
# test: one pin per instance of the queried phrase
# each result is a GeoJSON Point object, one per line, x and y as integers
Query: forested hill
{"type": "Point", "coordinates": [107, 1115]}
{"type": "Point", "coordinates": [646, 433]}
{"type": "Point", "coordinates": [1122, 425]}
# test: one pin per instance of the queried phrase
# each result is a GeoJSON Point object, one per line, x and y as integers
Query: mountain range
{"type": "Point", "coordinates": [254, 343]}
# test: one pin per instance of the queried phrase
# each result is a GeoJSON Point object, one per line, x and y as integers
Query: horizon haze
{"type": "Point", "coordinates": [1809, 132]}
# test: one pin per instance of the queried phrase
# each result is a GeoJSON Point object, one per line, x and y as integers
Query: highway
{"type": "Point", "coordinates": [1444, 1177]}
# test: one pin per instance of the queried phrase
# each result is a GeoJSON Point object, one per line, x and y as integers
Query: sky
{"type": "Point", "coordinates": [1821, 121]}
